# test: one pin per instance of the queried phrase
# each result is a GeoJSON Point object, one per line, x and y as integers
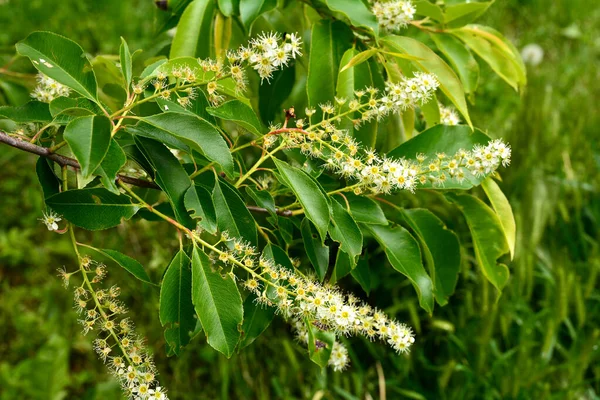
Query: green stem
{"type": "Point", "coordinates": [261, 160]}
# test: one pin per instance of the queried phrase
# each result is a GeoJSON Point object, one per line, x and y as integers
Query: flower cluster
{"type": "Point", "coordinates": [101, 310]}
{"type": "Point", "coordinates": [393, 15]}
{"type": "Point", "coordinates": [265, 54]}
{"type": "Point", "coordinates": [297, 297]}
{"type": "Point", "coordinates": [448, 116]}
{"type": "Point", "coordinates": [48, 89]}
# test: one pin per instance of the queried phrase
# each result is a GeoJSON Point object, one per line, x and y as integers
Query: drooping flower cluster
{"type": "Point", "coordinates": [297, 297]}
{"type": "Point", "coordinates": [393, 15]}
{"type": "Point", "coordinates": [448, 116]}
{"type": "Point", "coordinates": [48, 89]}
{"type": "Point", "coordinates": [265, 54]}
{"type": "Point", "coordinates": [117, 344]}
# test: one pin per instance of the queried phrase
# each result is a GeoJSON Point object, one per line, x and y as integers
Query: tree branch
{"type": "Point", "coordinates": [63, 160]}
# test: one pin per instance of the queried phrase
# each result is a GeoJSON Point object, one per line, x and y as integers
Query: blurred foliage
{"type": "Point", "coordinates": [539, 341]}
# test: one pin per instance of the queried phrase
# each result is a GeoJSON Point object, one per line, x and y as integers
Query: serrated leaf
{"type": "Point", "coordinates": [357, 12]}
{"type": "Point", "coordinates": [316, 251]}
{"type": "Point", "coordinates": [177, 314]}
{"type": "Point", "coordinates": [441, 250]}
{"type": "Point", "coordinates": [217, 302]}
{"type": "Point", "coordinates": [504, 212]}
{"type": "Point", "coordinates": [199, 202]}
{"type": "Point", "coordinates": [92, 209]}
{"type": "Point", "coordinates": [194, 30]}
{"type": "Point", "coordinates": [344, 230]}
{"type": "Point", "coordinates": [488, 237]}
{"type": "Point", "coordinates": [432, 63]}
{"type": "Point", "coordinates": [257, 318]}
{"type": "Point", "coordinates": [403, 253]}
{"type": "Point", "coordinates": [232, 215]}
{"type": "Point", "coordinates": [33, 111]}
{"type": "Point", "coordinates": [309, 195]}
{"type": "Point", "coordinates": [238, 112]}
{"type": "Point", "coordinates": [127, 263]}
{"type": "Point", "coordinates": [62, 60]}
{"type": "Point", "coordinates": [194, 131]}
{"type": "Point", "coordinates": [89, 139]}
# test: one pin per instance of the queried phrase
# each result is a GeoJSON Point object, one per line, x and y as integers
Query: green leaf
{"type": "Point", "coordinates": [343, 266]}
{"type": "Point", "coordinates": [62, 60]}
{"type": "Point", "coordinates": [127, 263]}
{"type": "Point", "coordinates": [403, 252]}
{"type": "Point", "coordinates": [169, 175]}
{"type": "Point", "coordinates": [228, 7]}
{"type": "Point", "coordinates": [194, 30]}
{"type": "Point", "coordinates": [428, 9]}
{"type": "Point", "coordinates": [446, 139]}
{"type": "Point", "coordinates": [309, 194]}
{"type": "Point", "coordinates": [125, 59]}
{"type": "Point", "coordinates": [432, 63]}
{"type": "Point", "coordinates": [460, 58]}
{"type": "Point", "coordinates": [33, 111]}
{"type": "Point", "coordinates": [232, 215]}
{"type": "Point", "coordinates": [495, 50]}
{"type": "Point", "coordinates": [92, 209]}
{"type": "Point", "coordinates": [441, 250]}
{"type": "Point", "coordinates": [89, 139]}
{"type": "Point", "coordinates": [357, 12]}
{"type": "Point", "coordinates": [240, 113]}
{"type": "Point", "coordinates": [357, 59]}
{"type": "Point", "coordinates": [277, 254]}
{"type": "Point", "coordinates": [364, 209]}
{"type": "Point", "coordinates": [66, 109]}
{"type": "Point", "coordinates": [47, 178]}
{"type": "Point", "coordinates": [320, 344]}
{"type": "Point", "coordinates": [218, 304]}
{"type": "Point", "coordinates": [263, 199]}
{"type": "Point", "coordinates": [195, 132]}
{"type": "Point", "coordinates": [362, 274]}
{"type": "Point", "coordinates": [329, 41]}
{"type": "Point", "coordinates": [503, 210]}
{"type": "Point", "coordinates": [344, 230]}
{"type": "Point", "coordinates": [316, 251]}
{"type": "Point", "coordinates": [176, 308]}
{"type": "Point", "coordinates": [272, 96]}
{"type": "Point", "coordinates": [257, 318]}
{"type": "Point", "coordinates": [431, 111]}
{"type": "Point", "coordinates": [114, 160]}
{"type": "Point", "coordinates": [457, 15]}
{"type": "Point", "coordinates": [199, 202]}
{"type": "Point", "coordinates": [488, 237]}
{"type": "Point", "coordinates": [252, 9]}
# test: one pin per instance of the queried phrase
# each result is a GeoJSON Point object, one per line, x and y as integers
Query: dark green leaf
{"type": "Point", "coordinates": [357, 12]}
{"type": "Point", "coordinates": [127, 263]}
{"type": "Point", "coordinates": [309, 194]}
{"type": "Point", "coordinates": [272, 96]}
{"type": "Point", "coordinates": [218, 304]}
{"type": "Point", "coordinates": [232, 215]}
{"type": "Point", "coordinates": [488, 237]}
{"type": "Point", "coordinates": [362, 274]}
{"type": "Point", "coordinates": [344, 230]}
{"type": "Point", "coordinates": [252, 9]}
{"type": "Point", "coordinates": [343, 266]}
{"type": "Point", "coordinates": [316, 251]}
{"type": "Point", "coordinates": [92, 209]}
{"type": "Point", "coordinates": [47, 178]}
{"type": "Point", "coordinates": [176, 308]}
{"type": "Point", "coordinates": [194, 30]}
{"type": "Point", "coordinates": [89, 139]}
{"type": "Point", "coordinates": [34, 111]}
{"type": "Point", "coordinates": [364, 209]}
{"type": "Point", "coordinates": [62, 60]}
{"type": "Point", "coordinates": [403, 252]}
{"type": "Point", "coordinates": [199, 202]}
{"type": "Point", "coordinates": [441, 250]}
{"type": "Point", "coordinates": [263, 199]}
{"type": "Point", "coordinates": [114, 160]}
{"type": "Point", "coordinates": [240, 113]}
{"type": "Point", "coordinates": [277, 254]}
{"type": "Point", "coordinates": [257, 318]}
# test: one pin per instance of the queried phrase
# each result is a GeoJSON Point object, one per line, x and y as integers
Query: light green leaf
{"type": "Point", "coordinates": [488, 237]}
{"type": "Point", "coordinates": [441, 250]}
{"type": "Point", "coordinates": [362, 274]}
{"type": "Point", "coordinates": [126, 66]}
{"type": "Point", "coordinates": [316, 251]}
{"type": "Point", "coordinates": [232, 215]}
{"type": "Point", "coordinates": [217, 302]}
{"type": "Point", "coordinates": [344, 230]}
{"type": "Point", "coordinates": [257, 318]}
{"type": "Point", "coordinates": [176, 308]}
{"type": "Point", "coordinates": [194, 131]}
{"type": "Point", "coordinates": [89, 139]}
{"type": "Point", "coordinates": [366, 210]}
{"type": "Point", "coordinates": [428, 9]}
{"type": "Point", "coordinates": [432, 63]}
{"type": "Point", "coordinates": [457, 15]}
{"type": "Point", "coordinates": [460, 58]}
{"type": "Point", "coordinates": [252, 9]}
{"type": "Point", "coordinates": [446, 139]}
{"type": "Point", "coordinates": [503, 210]}
{"type": "Point", "coordinates": [357, 12]}
{"type": "Point", "coordinates": [199, 202]}
{"type": "Point", "coordinates": [320, 344]}
{"type": "Point", "coordinates": [309, 194]}
{"type": "Point", "coordinates": [62, 60]}
{"type": "Point", "coordinates": [66, 109]}
{"type": "Point", "coordinates": [194, 30]}
{"type": "Point", "coordinates": [240, 113]}
{"type": "Point", "coordinates": [127, 263]}
{"type": "Point", "coordinates": [403, 252]}
{"type": "Point", "coordinates": [358, 58]}
{"type": "Point", "coordinates": [228, 7]}
{"type": "Point", "coordinates": [92, 209]}
{"type": "Point", "coordinates": [33, 111]}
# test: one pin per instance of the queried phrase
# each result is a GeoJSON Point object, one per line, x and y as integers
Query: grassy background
{"type": "Point", "coordinates": [540, 341]}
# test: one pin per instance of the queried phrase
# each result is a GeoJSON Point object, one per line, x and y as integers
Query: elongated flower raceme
{"type": "Point", "coordinates": [117, 344]}
{"type": "Point", "coordinates": [297, 297]}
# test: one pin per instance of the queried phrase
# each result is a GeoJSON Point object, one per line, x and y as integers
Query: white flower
{"type": "Point", "coordinates": [532, 54]}
{"type": "Point", "coordinates": [51, 219]}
